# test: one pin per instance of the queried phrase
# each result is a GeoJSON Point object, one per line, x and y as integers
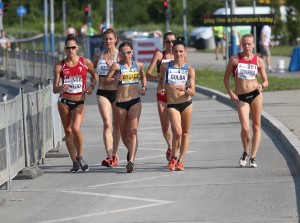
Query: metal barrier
{"type": "Point", "coordinates": [29, 128]}
{"type": "Point", "coordinates": [33, 66]}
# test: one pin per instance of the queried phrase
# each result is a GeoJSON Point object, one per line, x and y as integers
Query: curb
{"type": "Point", "coordinates": [286, 137]}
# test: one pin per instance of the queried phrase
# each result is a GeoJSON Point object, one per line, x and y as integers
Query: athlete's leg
{"type": "Point", "coordinates": [175, 119]}
{"type": "Point", "coordinates": [256, 109]}
{"type": "Point", "coordinates": [243, 112]}
{"type": "Point", "coordinates": [65, 115]}
{"type": "Point", "coordinates": [186, 117]}
{"type": "Point", "coordinates": [116, 129]}
{"type": "Point", "coordinates": [133, 118]}
{"type": "Point", "coordinates": [105, 112]}
{"type": "Point", "coordinates": [164, 121]}
{"type": "Point", "coordinates": [77, 119]}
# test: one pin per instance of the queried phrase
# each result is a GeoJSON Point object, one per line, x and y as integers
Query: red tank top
{"type": "Point", "coordinates": [246, 69]}
{"type": "Point", "coordinates": [75, 77]}
{"type": "Point", "coordinates": [163, 60]}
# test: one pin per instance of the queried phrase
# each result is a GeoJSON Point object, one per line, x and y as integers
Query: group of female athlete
{"type": "Point", "coordinates": [121, 82]}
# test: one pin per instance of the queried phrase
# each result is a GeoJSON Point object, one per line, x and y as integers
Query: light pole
{"type": "Point", "coordinates": [184, 20]}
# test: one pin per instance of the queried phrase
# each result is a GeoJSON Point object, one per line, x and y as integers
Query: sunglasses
{"type": "Point", "coordinates": [70, 47]}
{"type": "Point", "coordinates": [170, 41]}
{"type": "Point", "coordinates": [126, 52]}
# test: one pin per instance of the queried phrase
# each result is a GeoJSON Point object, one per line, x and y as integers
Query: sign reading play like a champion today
{"type": "Point", "coordinates": [21, 10]}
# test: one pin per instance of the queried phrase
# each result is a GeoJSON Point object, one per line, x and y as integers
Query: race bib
{"type": "Point", "coordinates": [177, 76]}
{"type": "Point", "coordinates": [102, 68]}
{"type": "Point", "coordinates": [247, 71]}
{"type": "Point", "coordinates": [130, 76]}
{"type": "Point", "coordinates": [74, 84]}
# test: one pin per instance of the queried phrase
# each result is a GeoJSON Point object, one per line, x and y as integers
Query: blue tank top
{"type": "Point", "coordinates": [130, 75]}
{"type": "Point", "coordinates": [176, 75]}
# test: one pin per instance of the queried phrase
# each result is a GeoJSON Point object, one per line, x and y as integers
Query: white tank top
{"type": "Point", "coordinates": [102, 67]}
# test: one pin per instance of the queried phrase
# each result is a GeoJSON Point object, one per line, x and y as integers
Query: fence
{"type": "Point", "coordinates": [29, 124]}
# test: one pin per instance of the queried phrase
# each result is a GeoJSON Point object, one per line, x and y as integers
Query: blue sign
{"type": "Point", "coordinates": [21, 10]}
{"type": "Point", "coordinates": [1, 8]}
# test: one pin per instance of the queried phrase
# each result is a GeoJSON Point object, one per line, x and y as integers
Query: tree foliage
{"type": "Point", "coordinates": [133, 13]}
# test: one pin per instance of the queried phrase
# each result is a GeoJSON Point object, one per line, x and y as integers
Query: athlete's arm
{"type": "Point", "coordinates": [143, 78]}
{"type": "Point", "coordinates": [93, 73]}
{"type": "Point", "coordinates": [161, 88]}
{"type": "Point", "coordinates": [156, 57]}
{"type": "Point", "coordinates": [56, 88]}
{"type": "Point", "coordinates": [264, 77]}
{"type": "Point", "coordinates": [229, 68]}
{"type": "Point", "coordinates": [109, 78]}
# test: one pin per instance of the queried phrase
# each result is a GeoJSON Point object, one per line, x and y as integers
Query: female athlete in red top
{"type": "Point", "coordinates": [245, 67]}
{"type": "Point", "coordinates": [72, 73]}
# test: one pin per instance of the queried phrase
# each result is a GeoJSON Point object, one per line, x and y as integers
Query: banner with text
{"type": "Point", "coordinates": [238, 20]}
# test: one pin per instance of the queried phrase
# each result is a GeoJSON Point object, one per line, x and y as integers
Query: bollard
{"type": "Point", "coordinates": [4, 97]}
{"type": "Point", "coordinates": [280, 66]}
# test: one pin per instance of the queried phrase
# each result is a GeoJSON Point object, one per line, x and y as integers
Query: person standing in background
{"type": "Point", "coordinates": [102, 26]}
{"type": "Point", "coordinates": [71, 30]}
{"type": "Point", "coordinates": [161, 57]}
{"type": "Point", "coordinates": [265, 44]}
{"type": "Point", "coordinates": [106, 97]}
{"type": "Point", "coordinates": [219, 36]}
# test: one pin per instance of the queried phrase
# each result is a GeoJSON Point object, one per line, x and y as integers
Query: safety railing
{"type": "Point", "coordinates": [29, 127]}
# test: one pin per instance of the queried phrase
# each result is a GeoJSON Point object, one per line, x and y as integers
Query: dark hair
{"type": "Point", "coordinates": [168, 34]}
{"type": "Point", "coordinates": [125, 44]}
{"type": "Point", "coordinates": [70, 37]}
{"type": "Point", "coordinates": [112, 31]}
{"type": "Point", "coordinates": [179, 41]}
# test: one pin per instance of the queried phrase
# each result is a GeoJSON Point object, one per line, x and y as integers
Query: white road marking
{"type": "Point", "coordinates": [153, 202]}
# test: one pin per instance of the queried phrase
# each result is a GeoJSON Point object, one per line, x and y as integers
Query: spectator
{"type": "Point", "coordinates": [4, 41]}
{"type": "Point", "coordinates": [219, 35]}
{"type": "Point", "coordinates": [71, 30]}
{"type": "Point", "coordinates": [91, 30]}
{"type": "Point", "coordinates": [84, 29]}
{"type": "Point", "coordinates": [265, 44]}
{"type": "Point", "coordinates": [102, 26]}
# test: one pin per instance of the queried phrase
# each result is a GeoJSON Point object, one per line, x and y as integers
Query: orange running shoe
{"type": "Point", "coordinates": [169, 154]}
{"type": "Point", "coordinates": [172, 163]}
{"type": "Point", "coordinates": [115, 160]}
{"type": "Point", "coordinates": [179, 166]}
{"type": "Point", "coordinates": [107, 162]}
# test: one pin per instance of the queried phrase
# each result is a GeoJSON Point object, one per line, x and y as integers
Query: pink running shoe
{"type": "Point", "coordinates": [169, 154]}
{"type": "Point", "coordinates": [107, 162]}
{"type": "Point", "coordinates": [179, 166]}
{"type": "Point", "coordinates": [115, 160]}
{"type": "Point", "coordinates": [172, 163]}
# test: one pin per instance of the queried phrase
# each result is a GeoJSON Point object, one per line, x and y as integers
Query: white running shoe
{"type": "Point", "coordinates": [252, 162]}
{"type": "Point", "coordinates": [243, 159]}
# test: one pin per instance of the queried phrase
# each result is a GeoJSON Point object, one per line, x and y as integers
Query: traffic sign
{"type": "Point", "coordinates": [21, 10]}
{"type": "Point", "coordinates": [1, 8]}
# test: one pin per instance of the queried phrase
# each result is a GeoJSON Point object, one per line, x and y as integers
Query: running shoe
{"type": "Point", "coordinates": [243, 159]}
{"type": "Point", "coordinates": [172, 163]}
{"type": "Point", "coordinates": [169, 154]}
{"type": "Point", "coordinates": [107, 162]}
{"type": "Point", "coordinates": [75, 167]}
{"type": "Point", "coordinates": [84, 167]}
{"type": "Point", "coordinates": [179, 166]}
{"type": "Point", "coordinates": [130, 167]}
{"type": "Point", "coordinates": [115, 160]}
{"type": "Point", "coordinates": [252, 162]}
